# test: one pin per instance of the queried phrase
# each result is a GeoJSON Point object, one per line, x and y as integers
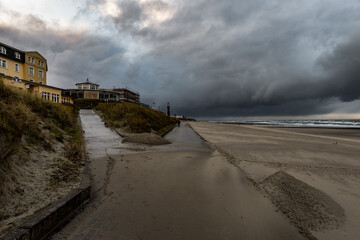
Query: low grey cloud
{"type": "Point", "coordinates": [214, 58]}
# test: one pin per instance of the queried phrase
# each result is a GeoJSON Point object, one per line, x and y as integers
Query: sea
{"type": "Point", "coordinates": [344, 123]}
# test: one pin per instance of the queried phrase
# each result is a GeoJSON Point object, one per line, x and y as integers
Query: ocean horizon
{"type": "Point", "coordinates": [318, 123]}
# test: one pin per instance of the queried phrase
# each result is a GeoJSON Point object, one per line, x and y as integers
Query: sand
{"type": "Point", "coordinates": [30, 183]}
{"type": "Point", "coordinates": [318, 187]}
{"type": "Point", "coordinates": [305, 206]}
{"type": "Point", "coordinates": [145, 138]}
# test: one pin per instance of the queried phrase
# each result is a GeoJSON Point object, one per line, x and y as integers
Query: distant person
{"type": "Point", "coordinates": [178, 122]}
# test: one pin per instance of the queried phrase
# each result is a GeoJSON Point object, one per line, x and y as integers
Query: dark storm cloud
{"type": "Point", "coordinates": [342, 68]}
{"type": "Point", "coordinates": [252, 57]}
{"type": "Point", "coordinates": [214, 58]}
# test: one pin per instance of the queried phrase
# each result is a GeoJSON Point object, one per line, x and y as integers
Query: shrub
{"type": "Point", "coordinates": [137, 118]}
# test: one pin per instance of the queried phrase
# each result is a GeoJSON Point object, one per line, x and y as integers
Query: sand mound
{"type": "Point", "coordinates": [306, 207]}
{"type": "Point", "coordinates": [145, 138]}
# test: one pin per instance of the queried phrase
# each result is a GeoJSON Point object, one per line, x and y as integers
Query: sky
{"type": "Point", "coordinates": [209, 59]}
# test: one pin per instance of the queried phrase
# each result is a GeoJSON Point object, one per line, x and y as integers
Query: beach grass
{"type": "Point", "coordinates": [135, 118]}
{"type": "Point", "coordinates": [27, 120]}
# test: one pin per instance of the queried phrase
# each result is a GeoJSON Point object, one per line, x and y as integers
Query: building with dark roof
{"type": "Point", "coordinates": [27, 70]}
{"type": "Point", "coordinates": [89, 90]}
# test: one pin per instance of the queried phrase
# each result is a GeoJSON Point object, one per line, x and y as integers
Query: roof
{"type": "Point", "coordinates": [33, 83]}
{"type": "Point", "coordinates": [125, 89]}
{"type": "Point", "coordinates": [23, 52]}
{"type": "Point", "coordinates": [42, 85]}
{"type": "Point", "coordinates": [87, 82]}
{"type": "Point", "coordinates": [5, 45]}
{"type": "Point", "coordinates": [11, 53]}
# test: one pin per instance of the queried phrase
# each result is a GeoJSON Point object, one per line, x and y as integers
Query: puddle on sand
{"type": "Point", "coordinates": [182, 138]}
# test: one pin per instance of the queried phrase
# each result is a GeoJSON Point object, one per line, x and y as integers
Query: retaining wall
{"type": "Point", "coordinates": [44, 222]}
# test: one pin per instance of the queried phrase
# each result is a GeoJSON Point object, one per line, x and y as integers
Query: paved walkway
{"type": "Point", "coordinates": [178, 191]}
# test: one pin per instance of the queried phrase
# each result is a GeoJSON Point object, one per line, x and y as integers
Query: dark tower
{"type": "Point", "coordinates": [168, 109]}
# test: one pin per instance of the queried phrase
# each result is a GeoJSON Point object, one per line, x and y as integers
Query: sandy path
{"type": "Point", "coordinates": [327, 159]}
{"type": "Point", "coordinates": [184, 192]}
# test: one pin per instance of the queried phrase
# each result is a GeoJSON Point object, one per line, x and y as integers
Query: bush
{"type": "Point", "coordinates": [137, 118]}
{"type": "Point", "coordinates": [86, 103]}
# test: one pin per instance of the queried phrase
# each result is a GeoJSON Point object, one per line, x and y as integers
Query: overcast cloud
{"type": "Point", "coordinates": [207, 58]}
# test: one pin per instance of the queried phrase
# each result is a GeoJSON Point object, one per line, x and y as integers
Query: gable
{"type": "Point", "coordinates": [37, 55]}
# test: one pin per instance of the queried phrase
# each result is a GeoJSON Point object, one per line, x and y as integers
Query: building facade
{"type": "Point", "coordinates": [25, 65]}
{"type": "Point", "coordinates": [89, 90]}
{"type": "Point", "coordinates": [27, 70]}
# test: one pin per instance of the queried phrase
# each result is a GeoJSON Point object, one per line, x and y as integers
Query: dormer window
{"type": "Point", "coordinates": [3, 50]}
{"type": "Point", "coordinates": [17, 55]}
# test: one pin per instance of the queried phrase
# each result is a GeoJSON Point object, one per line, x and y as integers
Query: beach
{"type": "Point", "coordinates": [318, 186]}
{"type": "Point", "coordinates": [221, 181]}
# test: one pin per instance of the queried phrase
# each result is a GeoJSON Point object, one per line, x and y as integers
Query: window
{"type": "Point", "coordinates": [45, 95]}
{"type": "Point", "coordinates": [41, 74]}
{"type": "Point", "coordinates": [41, 63]}
{"type": "Point", "coordinates": [17, 55]}
{"type": "Point", "coordinates": [31, 80]}
{"type": "Point", "coordinates": [3, 63]}
{"type": "Point", "coordinates": [3, 50]}
{"type": "Point", "coordinates": [40, 82]}
{"type": "Point", "coordinates": [17, 67]}
{"type": "Point", "coordinates": [31, 71]}
{"type": "Point", "coordinates": [55, 97]}
{"type": "Point", "coordinates": [31, 59]}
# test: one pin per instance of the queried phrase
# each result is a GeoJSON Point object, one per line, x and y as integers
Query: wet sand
{"type": "Point", "coordinates": [183, 190]}
{"type": "Point", "coordinates": [323, 159]}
